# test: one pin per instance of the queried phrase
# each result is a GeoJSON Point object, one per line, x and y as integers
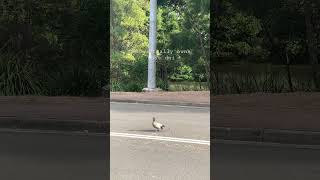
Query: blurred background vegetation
{"type": "Point", "coordinates": [60, 47]}
{"type": "Point", "coordinates": [256, 45]}
{"type": "Point", "coordinates": [53, 48]}
{"type": "Point", "coordinates": [265, 46]}
{"type": "Point", "coordinates": [183, 27]}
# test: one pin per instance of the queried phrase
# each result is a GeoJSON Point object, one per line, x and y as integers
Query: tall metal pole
{"type": "Point", "coordinates": [152, 47]}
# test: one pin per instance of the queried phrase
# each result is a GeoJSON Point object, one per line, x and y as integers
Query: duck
{"type": "Point", "coordinates": [156, 125]}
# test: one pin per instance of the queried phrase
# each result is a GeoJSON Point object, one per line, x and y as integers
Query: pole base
{"type": "Point", "coordinates": [151, 90]}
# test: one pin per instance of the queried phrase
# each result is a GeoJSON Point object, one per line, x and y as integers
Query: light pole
{"type": "Point", "coordinates": [152, 48]}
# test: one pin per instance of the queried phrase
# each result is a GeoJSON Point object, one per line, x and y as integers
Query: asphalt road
{"type": "Point", "coordinates": [246, 162]}
{"type": "Point", "coordinates": [38, 156]}
{"type": "Point", "coordinates": [147, 159]}
{"type": "Point", "coordinates": [43, 156]}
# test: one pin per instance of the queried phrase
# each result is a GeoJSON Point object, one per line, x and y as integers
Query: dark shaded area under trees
{"type": "Point", "coordinates": [265, 46]}
{"type": "Point", "coordinates": [53, 48]}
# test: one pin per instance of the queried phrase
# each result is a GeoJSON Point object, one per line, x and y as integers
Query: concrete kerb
{"type": "Point", "coordinates": [161, 102]}
{"type": "Point", "coordinates": [264, 144]}
{"type": "Point", "coordinates": [60, 132]}
{"type": "Point", "coordinates": [88, 126]}
{"type": "Point", "coordinates": [300, 137]}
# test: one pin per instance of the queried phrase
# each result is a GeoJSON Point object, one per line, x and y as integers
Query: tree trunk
{"type": "Point", "coordinates": [289, 73]}
{"type": "Point", "coordinates": [311, 42]}
{"type": "Point", "coordinates": [217, 7]}
{"type": "Point", "coordinates": [217, 12]}
{"type": "Point", "coordinates": [27, 32]}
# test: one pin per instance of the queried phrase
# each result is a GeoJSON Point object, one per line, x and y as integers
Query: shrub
{"type": "Point", "coordinates": [18, 77]}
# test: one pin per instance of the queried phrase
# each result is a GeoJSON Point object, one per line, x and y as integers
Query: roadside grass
{"type": "Point", "coordinates": [18, 77]}
{"type": "Point", "coordinates": [117, 86]}
{"type": "Point", "coordinates": [237, 79]}
{"type": "Point", "coordinates": [27, 77]}
{"type": "Point", "coordinates": [188, 86]}
{"type": "Point", "coordinates": [277, 82]}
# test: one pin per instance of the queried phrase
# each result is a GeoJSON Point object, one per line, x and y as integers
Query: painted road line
{"type": "Point", "coordinates": [166, 105]}
{"type": "Point", "coordinates": [160, 138]}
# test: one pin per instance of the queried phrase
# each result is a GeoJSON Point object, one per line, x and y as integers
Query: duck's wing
{"type": "Point", "coordinates": [158, 125]}
{"type": "Point", "coordinates": [154, 124]}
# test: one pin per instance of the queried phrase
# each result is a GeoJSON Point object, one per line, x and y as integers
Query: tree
{"type": "Point", "coordinates": [65, 41]}
{"type": "Point", "coordinates": [310, 10]}
{"type": "Point", "coordinates": [129, 41]}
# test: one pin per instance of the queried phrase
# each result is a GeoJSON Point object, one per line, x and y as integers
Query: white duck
{"type": "Point", "coordinates": [157, 125]}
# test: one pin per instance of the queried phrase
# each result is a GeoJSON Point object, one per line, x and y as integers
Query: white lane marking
{"type": "Point", "coordinates": [167, 105]}
{"type": "Point", "coordinates": [160, 138]}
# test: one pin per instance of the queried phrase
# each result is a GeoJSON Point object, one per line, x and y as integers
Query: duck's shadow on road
{"type": "Point", "coordinates": [144, 130]}
{"type": "Point", "coordinates": [148, 130]}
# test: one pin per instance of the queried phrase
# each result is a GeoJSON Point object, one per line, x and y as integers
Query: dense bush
{"type": "Point", "coordinates": [244, 79]}
{"type": "Point", "coordinates": [284, 33]}
{"type": "Point", "coordinates": [54, 47]}
{"type": "Point", "coordinates": [17, 77]}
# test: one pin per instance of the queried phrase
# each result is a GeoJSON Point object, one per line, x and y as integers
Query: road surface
{"type": "Point", "coordinates": [41, 156]}
{"type": "Point", "coordinates": [246, 162]}
{"type": "Point", "coordinates": [135, 155]}
{"type": "Point", "coordinates": [140, 153]}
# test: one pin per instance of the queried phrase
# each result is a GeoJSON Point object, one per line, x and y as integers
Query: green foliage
{"type": "Point", "coordinates": [76, 81]}
{"type": "Point", "coordinates": [184, 73]}
{"type": "Point", "coordinates": [129, 43]}
{"type": "Point", "coordinates": [128, 27]}
{"type": "Point", "coordinates": [175, 32]}
{"type": "Point", "coordinates": [62, 43]}
{"type": "Point", "coordinates": [188, 86]}
{"type": "Point", "coordinates": [17, 77]}
{"type": "Point", "coordinates": [237, 79]}
{"type": "Point", "coordinates": [265, 32]}
{"type": "Point", "coordinates": [237, 36]}
{"type": "Point", "coordinates": [131, 86]}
